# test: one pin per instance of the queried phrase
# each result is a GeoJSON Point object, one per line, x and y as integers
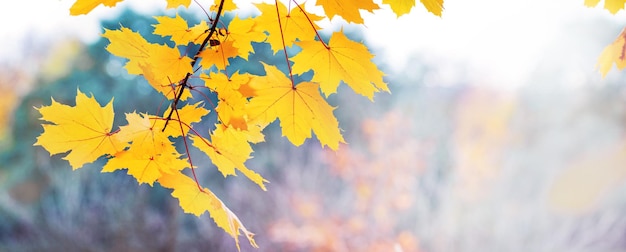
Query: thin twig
{"type": "Point", "coordinates": [183, 83]}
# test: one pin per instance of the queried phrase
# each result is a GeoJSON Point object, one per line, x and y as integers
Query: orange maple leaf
{"type": "Point", "coordinates": [85, 6]}
{"type": "Point", "coordinates": [84, 130]}
{"type": "Point", "coordinates": [341, 60]}
{"type": "Point", "coordinates": [300, 108]}
{"type": "Point", "coordinates": [196, 200]}
{"type": "Point", "coordinates": [348, 10]}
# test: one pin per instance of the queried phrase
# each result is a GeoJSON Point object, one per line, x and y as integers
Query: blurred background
{"type": "Point", "coordinates": [499, 135]}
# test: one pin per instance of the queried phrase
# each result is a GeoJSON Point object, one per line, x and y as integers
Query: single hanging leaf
{"type": "Point", "coordinates": [130, 45]}
{"type": "Point", "coordinates": [85, 130]}
{"type": "Point", "coordinates": [176, 3]}
{"type": "Point", "coordinates": [347, 9]}
{"type": "Point", "coordinates": [612, 6]}
{"type": "Point", "coordinates": [294, 23]}
{"type": "Point", "coordinates": [343, 60]}
{"type": "Point", "coordinates": [229, 149]}
{"type": "Point", "coordinates": [177, 28]}
{"type": "Point", "coordinates": [196, 200]}
{"type": "Point", "coordinates": [615, 53]}
{"type": "Point", "coordinates": [300, 109]}
{"type": "Point", "coordinates": [85, 6]}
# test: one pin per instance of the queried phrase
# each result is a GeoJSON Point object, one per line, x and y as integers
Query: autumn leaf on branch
{"type": "Point", "coordinates": [293, 25]}
{"type": "Point", "coordinates": [229, 149]}
{"type": "Point", "coordinates": [84, 130]}
{"type": "Point", "coordinates": [179, 31]}
{"type": "Point", "coordinates": [300, 108]}
{"type": "Point", "coordinates": [348, 10]}
{"type": "Point", "coordinates": [162, 65]}
{"type": "Point", "coordinates": [243, 32]}
{"type": "Point", "coordinates": [197, 201]}
{"type": "Point", "coordinates": [341, 60]}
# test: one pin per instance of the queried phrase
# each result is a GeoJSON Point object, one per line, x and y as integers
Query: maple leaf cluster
{"type": "Point", "coordinates": [197, 64]}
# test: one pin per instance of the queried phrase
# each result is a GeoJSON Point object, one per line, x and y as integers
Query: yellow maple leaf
{"type": "Point", "coordinates": [143, 132]}
{"type": "Point", "coordinates": [434, 6]}
{"type": "Point", "coordinates": [177, 28]}
{"type": "Point", "coordinates": [218, 55]}
{"type": "Point", "coordinates": [349, 10]}
{"type": "Point", "coordinates": [196, 200]}
{"type": "Point", "coordinates": [188, 114]}
{"type": "Point", "coordinates": [151, 152]}
{"type": "Point", "coordinates": [161, 65]}
{"type": "Point", "coordinates": [341, 60]}
{"type": "Point", "coordinates": [615, 53]}
{"type": "Point", "coordinates": [243, 32]}
{"type": "Point", "coordinates": [300, 108]}
{"type": "Point", "coordinates": [147, 130]}
{"type": "Point", "coordinates": [85, 6]}
{"type": "Point", "coordinates": [85, 130]}
{"type": "Point", "coordinates": [147, 164]}
{"type": "Point", "coordinates": [612, 6]}
{"type": "Point", "coordinates": [295, 25]}
{"type": "Point", "coordinates": [176, 3]}
{"type": "Point", "coordinates": [229, 149]}
{"type": "Point", "coordinates": [400, 7]}
{"type": "Point", "coordinates": [130, 45]}
{"type": "Point", "coordinates": [231, 105]}
{"type": "Point", "coordinates": [229, 5]}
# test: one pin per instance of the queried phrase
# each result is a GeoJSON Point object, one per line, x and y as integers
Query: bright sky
{"type": "Point", "coordinates": [501, 39]}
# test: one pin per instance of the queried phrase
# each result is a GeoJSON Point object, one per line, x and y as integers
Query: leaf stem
{"type": "Point", "coordinates": [182, 131]}
{"type": "Point", "coordinates": [312, 25]}
{"type": "Point", "coordinates": [282, 36]}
